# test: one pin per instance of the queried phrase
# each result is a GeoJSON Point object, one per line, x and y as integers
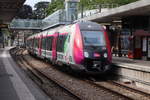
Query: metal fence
{"type": "Point", "coordinates": [94, 9]}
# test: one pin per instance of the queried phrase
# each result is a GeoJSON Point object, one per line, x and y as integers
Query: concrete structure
{"type": "Point", "coordinates": [136, 72]}
{"type": "Point", "coordinates": [135, 18]}
{"type": "Point", "coordinates": [8, 10]}
{"type": "Point", "coordinates": [141, 7]}
{"type": "Point", "coordinates": [71, 10]}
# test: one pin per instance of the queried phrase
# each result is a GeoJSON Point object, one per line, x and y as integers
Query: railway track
{"type": "Point", "coordinates": [40, 78]}
{"type": "Point", "coordinates": [122, 89]}
{"type": "Point", "coordinates": [132, 89]}
{"type": "Point", "coordinates": [100, 90]}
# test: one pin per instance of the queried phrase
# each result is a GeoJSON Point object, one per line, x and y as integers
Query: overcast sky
{"type": "Point", "coordinates": [33, 2]}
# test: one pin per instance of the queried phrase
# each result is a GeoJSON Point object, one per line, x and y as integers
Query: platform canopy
{"type": "Point", "coordinates": [8, 9]}
{"type": "Point", "coordinates": [139, 8]}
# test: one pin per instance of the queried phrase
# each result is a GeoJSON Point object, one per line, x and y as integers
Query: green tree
{"type": "Point", "coordinates": [54, 6]}
{"type": "Point", "coordinates": [25, 12]}
{"type": "Point", "coordinates": [84, 4]}
{"type": "Point", "coordinates": [40, 10]}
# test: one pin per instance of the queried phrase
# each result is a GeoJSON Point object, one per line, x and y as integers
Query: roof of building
{"type": "Point", "coordinates": [141, 7]}
{"type": "Point", "coordinates": [8, 9]}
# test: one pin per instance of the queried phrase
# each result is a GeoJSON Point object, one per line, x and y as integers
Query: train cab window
{"type": "Point", "coordinates": [94, 38]}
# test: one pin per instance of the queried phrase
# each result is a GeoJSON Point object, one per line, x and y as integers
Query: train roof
{"type": "Point", "coordinates": [84, 25]}
{"type": "Point", "coordinates": [88, 25]}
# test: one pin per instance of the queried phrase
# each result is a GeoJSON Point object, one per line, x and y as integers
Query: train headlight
{"type": "Point", "coordinates": [86, 54]}
{"type": "Point", "coordinates": [105, 55]}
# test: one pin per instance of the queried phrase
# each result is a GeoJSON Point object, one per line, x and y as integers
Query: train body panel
{"type": "Point", "coordinates": [83, 45]}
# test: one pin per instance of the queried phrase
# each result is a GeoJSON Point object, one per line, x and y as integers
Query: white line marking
{"type": "Point", "coordinates": [22, 91]}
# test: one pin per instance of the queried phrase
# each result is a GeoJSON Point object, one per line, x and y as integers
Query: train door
{"type": "Point", "coordinates": [54, 46]}
{"type": "Point", "coordinates": [149, 47]}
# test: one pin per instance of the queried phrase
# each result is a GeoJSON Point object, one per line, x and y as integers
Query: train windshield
{"type": "Point", "coordinates": [93, 38]}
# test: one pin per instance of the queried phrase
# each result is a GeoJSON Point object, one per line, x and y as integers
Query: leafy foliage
{"type": "Point", "coordinates": [54, 6]}
{"type": "Point", "coordinates": [84, 4]}
{"type": "Point", "coordinates": [25, 12]}
{"type": "Point", "coordinates": [40, 10]}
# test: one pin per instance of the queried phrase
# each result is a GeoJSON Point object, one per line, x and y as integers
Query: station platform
{"type": "Point", "coordinates": [14, 83]}
{"type": "Point", "coordinates": [135, 71]}
{"type": "Point", "coordinates": [132, 63]}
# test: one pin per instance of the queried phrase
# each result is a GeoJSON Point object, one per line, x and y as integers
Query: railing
{"type": "Point", "coordinates": [95, 9]}
{"type": "Point", "coordinates": [57, 18]}
{"type": "Point", "coordinates": [26, 24]}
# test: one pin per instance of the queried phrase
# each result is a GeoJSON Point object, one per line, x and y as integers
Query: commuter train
{"type": "Point", "coordinates": [83, 46]}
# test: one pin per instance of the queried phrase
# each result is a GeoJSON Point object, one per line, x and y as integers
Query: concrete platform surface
{"type": "Point", "coordinates": [14, 83]}
{"type": "Point", "coordinates": [132, 63]}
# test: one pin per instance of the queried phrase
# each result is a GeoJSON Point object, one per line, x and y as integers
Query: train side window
{"type": "Point", "coordinates": [64, 40]}
{"type": "Point", "coordinates": [36, 43]}
{"type": "Point", "coordinates": [61, 43]}
{"type": "Point", "coordinates": [68, 38]}
{"type": "Point", "coordinates": [39, 43]}
{"type": "Point", "coordinates": [47, 46]}
{"type": "Point", "coordinates": [58, 44]}
{"type": "Point", "coordinates": [44, 43]}
{"type": "Point", "coordinates": [49, 43]}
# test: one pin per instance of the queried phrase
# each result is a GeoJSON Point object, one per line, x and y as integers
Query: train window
{"type": "Point", "coordinates": [95, 38]}
{"type": "Point", "coordinates": [68, 38]}
{"type": "Point", "coordinates": [44, 43]}
{"type": "Point", "coordinates": [32, 42]}
{"type": "Point", "coordinates": [29, 43]}
{"type": "Point", "coordinates": [36, 43]}
{"type": "Point", "coordinates": [61, 43]}
{"type": "Point", "coordinates": [49, 43]}
{"type": "Point", "coordinates": [58, 44]}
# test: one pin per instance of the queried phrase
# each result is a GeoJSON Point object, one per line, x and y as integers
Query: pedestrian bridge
{"type": "Point", "coordinates": [139, 8]}
{"type": "Point", "coordinates": [26, 24]}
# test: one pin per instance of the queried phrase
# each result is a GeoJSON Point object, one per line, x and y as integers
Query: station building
{"type": "Point", "coordinates": [138, 35]}
{"type": "Point", "coordinates": [132, 37]}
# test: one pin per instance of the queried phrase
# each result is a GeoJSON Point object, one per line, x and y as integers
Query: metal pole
{"type": "Point", "coordinates": [82, 8]}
